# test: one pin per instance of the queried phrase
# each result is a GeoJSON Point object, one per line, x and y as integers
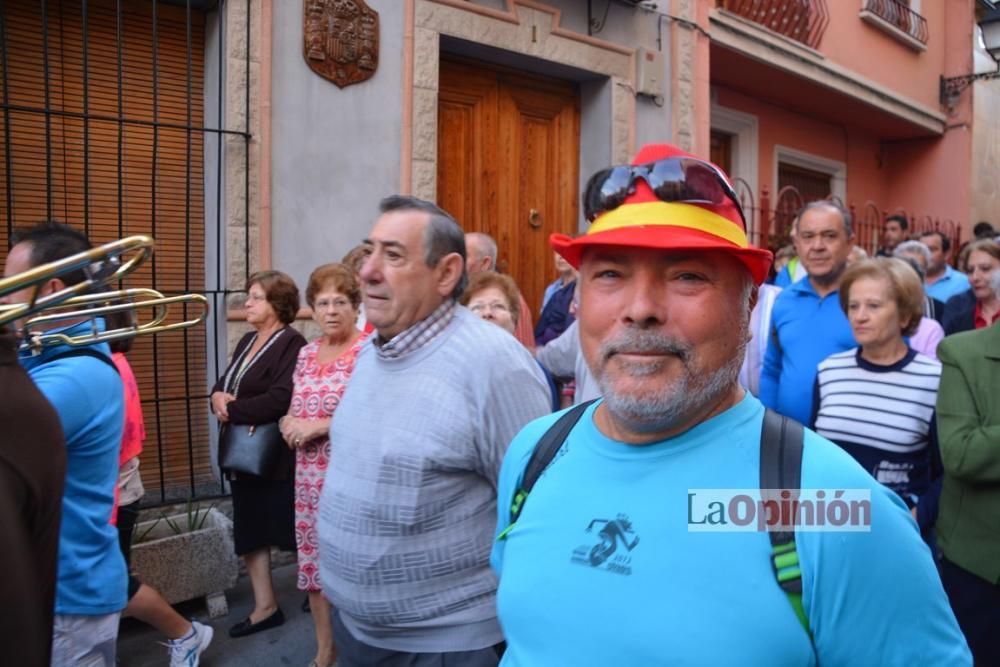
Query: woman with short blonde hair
{"type": "Point", "coordinates": [876, 401]}
{"type": "Point", "coordinates": [906, 288]}
{"type": "Point", "coordinates": [495, 298]}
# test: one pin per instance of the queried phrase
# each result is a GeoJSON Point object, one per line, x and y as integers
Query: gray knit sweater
{"type": "Point", "coordinates": [409, 503]}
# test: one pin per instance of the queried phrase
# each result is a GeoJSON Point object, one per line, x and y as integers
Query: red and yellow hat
{"type": "Point", "coordinates": [644, 221]}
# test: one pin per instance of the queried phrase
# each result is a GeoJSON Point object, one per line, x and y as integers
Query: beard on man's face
{"type": "Point", "coordinates": [667, 403]}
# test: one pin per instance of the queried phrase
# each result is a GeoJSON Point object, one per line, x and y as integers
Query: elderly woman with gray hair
{"type": "Point", "coordinates": [968, 527]}
{"type": "Point", "coordinates": [919, 256]}
{"type": "Point", "coordinates": [929, 332]}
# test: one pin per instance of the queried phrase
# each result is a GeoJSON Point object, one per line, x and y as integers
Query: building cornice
{"type": "Point", "coordinates": [759, 43]}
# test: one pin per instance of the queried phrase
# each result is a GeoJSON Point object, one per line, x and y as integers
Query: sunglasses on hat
{"type": "Point", "coordinates": [679, 179]}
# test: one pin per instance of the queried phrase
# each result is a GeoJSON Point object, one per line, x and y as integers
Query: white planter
{"type": "Point", "coordinates": [190, 565]}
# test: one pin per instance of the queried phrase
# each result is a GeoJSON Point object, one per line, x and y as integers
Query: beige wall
{"type": "Point", "coordinates": [985, 204]}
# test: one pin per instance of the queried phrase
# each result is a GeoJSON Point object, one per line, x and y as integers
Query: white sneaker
{"type": "Point", "coordinates": [185, 652]}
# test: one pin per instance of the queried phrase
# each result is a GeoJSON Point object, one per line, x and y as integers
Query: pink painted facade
{"type": "Point", "coordinates": [860, 105]}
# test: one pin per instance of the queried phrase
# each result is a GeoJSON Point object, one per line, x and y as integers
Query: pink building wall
{"type": "Point", "coordinates": [867, 178]}
{"type": "Point", "coordinates": [874, 54]}
{"type": "Point", "coordinates": [926, 176]}
{"type": "Point", "coordinates": [933, 176]}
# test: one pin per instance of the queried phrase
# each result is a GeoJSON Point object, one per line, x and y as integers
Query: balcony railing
{"type": "Point", "coordinates": [901, 16]}
{"type": "Point", "coordinates": [804, 21]}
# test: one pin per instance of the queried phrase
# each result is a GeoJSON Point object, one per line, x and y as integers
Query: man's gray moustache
{"type": "Point", "coordinates": [644, 343]}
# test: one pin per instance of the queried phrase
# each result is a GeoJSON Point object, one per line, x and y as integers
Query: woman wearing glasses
{"type": "Point", "coordinates": [495, 298]}
{"type": "Point", "coordinates": [255, 390]}
{"type": "Point", "coordinates": [321, 374]}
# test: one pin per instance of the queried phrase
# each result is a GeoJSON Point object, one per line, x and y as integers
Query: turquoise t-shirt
{"type": "Point", "coordinates": [87, 394]}
{"type": "Point", "coordinates": [602, 569]}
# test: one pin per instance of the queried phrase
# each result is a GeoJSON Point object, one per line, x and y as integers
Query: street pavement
{"type": "Point", "coordinates": [293, 644]}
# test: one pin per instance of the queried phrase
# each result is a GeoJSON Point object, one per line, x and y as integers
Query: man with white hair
{"type": "Point", "coordinates": [603, 558]}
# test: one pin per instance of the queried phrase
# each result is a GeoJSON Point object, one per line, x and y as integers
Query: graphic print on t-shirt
{"type": "Point", "coordinates": [892, 474]}
{"type": "Point", "coordinates": [605, 554]}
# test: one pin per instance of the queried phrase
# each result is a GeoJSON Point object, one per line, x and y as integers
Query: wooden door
{"type": "Point", "coordinates": [721, 151]}
{"type": "Point", "coordinates": [508, 163]}
{"type": "Point", "coordinates": [812, 185]}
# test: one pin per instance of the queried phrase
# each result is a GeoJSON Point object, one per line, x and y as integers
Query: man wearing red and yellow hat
{"type": "Point", "coordinates": [616, 557]}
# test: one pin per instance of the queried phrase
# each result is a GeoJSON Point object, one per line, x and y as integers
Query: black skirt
{"type": "Point", "coordinates": [263, 514]}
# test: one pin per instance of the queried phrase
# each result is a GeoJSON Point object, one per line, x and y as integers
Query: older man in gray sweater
{"type": "Point", "coordinates": [409, 504]}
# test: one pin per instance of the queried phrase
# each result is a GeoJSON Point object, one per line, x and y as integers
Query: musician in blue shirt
{"type": "Point", "coordinates": [86, 392]}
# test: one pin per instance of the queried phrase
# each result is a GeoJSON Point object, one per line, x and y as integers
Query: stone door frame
{"type": "Point", "coordinates": [527, 27]}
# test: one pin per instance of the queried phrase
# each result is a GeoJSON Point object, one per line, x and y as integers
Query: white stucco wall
{"type": "Point", "coordinates": [334, 152]}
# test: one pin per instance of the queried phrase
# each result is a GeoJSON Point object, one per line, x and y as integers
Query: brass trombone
{"type": "Point", "coordinates": [36, 332]}
{"type": "Point", "coordinates": [76, 303]}
{"type": "Point", "coordinates": [101, 265]}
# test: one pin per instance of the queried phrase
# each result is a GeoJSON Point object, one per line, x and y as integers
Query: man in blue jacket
{"type": "Point", "coordinates": [807, 322]}
{"type": "Point", "coordinates": [86, 392]}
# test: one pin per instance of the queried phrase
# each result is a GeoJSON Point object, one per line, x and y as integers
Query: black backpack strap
{"type": "Point", "coordinates": [548, 446]}
{"type": "Point", "coordinates": [83, 352]}
{"type": "Point", "coordinates": [781, 442]}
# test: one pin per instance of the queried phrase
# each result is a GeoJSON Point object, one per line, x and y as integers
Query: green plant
{"type": "Point", "coordinates": [140, 537]}
{"type": "Point", "coordinates": [194, 519]}
{"type": "Point", "coordinates": [195, 516]}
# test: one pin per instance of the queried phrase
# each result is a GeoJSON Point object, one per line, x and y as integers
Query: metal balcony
{"type": "Point", "coordinates": [804, 21]}
{"type": "Point", "coordinates": [900, 16]}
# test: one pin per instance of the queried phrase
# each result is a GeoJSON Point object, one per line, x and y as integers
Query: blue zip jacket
{"type": "Point", "coordinates": [805, 330]}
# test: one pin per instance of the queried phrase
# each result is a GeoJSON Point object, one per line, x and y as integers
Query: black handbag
{"type": "Point", "coordinates": [254, 450]}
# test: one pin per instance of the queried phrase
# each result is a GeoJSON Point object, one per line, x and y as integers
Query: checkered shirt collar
{"type": "Point", "coordinates": [418, 335]}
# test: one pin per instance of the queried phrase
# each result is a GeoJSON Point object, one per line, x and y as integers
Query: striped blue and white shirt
{"type": "Point", "coordinates": [884, 417]}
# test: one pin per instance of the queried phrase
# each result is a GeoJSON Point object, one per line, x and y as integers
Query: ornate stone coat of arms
{"type": "Point", "coordinates": [341, 40]}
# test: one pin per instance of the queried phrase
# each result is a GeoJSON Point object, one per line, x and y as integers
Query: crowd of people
{"type": "Point", "coordinates": [876, 340]}
{"type": "Point", "coordinates": [447, 510]}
